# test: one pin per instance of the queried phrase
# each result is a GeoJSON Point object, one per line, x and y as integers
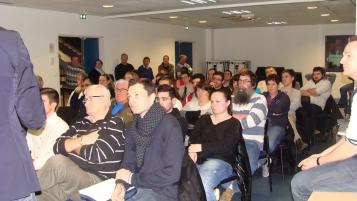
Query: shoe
{"type": "Point", "coordinates": [227, 195]}
{"type": "Point", "coordinates": [265, 170]}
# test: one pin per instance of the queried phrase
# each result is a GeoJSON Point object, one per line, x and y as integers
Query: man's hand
{"type": "Point", "coordinates": [240, 116]}
{"type": "Point", "coordinates": [118, 193]}
{"type": "Point", "coordinates": [309, 162]}
{"type": "Point", "coordinates": [194, 148]}
{"type": "Point", "coordinates": [193, 156]}
{"type": "Point", "coordinates": [123, 174]}
{"type": "Point", "coordinates": [90, 138]}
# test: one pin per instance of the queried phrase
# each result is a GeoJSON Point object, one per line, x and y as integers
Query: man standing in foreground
{"type": "Point", "coordinates": [334, 168]}
{"type": "Point", "coordinates": [21, 107]}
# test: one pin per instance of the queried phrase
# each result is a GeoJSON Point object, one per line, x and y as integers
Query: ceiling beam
{"type": "Point", "coordinates": [211, 7]}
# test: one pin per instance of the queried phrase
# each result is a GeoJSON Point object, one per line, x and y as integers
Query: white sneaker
{"type": "Point", "coordinates": [265, 170]}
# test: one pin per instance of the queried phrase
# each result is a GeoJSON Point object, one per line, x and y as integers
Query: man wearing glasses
{"type": "Point", "coordinates": [90, 151]}
{"type": "Point", "coordinates": [120, 107]}
{"type": "Point", "coordinates": [251, 110]}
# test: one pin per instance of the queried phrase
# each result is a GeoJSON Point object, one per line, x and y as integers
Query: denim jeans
{"type": "Point", "coordinates": [276, 135]}
{"type": "Point", "coordinates": [339, 177]}
{"type": "Point", "coordinates": [212, 172]}
{"type": "Point", "coordinates": [31, 197]}
{"type": "Point", "coordinates": [144, 194]}
{"type": "Point", "coordinates": [253, 151]}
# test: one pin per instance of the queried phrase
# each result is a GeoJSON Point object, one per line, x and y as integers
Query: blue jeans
{"type": "Point", "coordinates": [253, 151]}
{"type": "Point", "coordinates": [276, 135]}
{"type": "Point", "coordinates": [31, 197]}
{"type": "Point", "coordinates": [212, 172]}
{"type": "Point", "coordinates": [339, 177]}
{"type": "Point", "coordinates": [145, 194]}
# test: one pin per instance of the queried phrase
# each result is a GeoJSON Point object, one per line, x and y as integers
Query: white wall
{"type": "Point", "coordinates": [298, 47]}
{"type": "Point", "coordinates": [40, 28]}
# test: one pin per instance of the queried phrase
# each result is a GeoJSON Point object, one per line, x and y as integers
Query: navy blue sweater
{"type": "Point", "coordinates": [161, 168]}
{"type": "Point", "coordinates": [146, 72]}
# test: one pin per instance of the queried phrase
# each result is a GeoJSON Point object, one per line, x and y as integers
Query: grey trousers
{"type": "Point", "coordinates": [60, 178]}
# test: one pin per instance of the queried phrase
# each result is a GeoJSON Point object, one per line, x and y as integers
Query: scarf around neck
{"type": "Point", "coordinates": [142, 130]}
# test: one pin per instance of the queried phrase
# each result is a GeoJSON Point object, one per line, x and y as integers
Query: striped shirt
{"type": "Point", "coordinates": [103, 157]}
{"type": "Point", "coordinates": [71, 73]}
{"type": "Point", "coordinates": [253, 125]}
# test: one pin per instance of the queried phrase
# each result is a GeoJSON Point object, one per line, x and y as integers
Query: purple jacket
{"type": "Point", "coordinates": [21, 108]}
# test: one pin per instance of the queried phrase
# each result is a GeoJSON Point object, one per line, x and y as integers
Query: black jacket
{"type": "Point", "coordinates": [190, 187]}
{"type": "Point", "coordinates": [242, 168]}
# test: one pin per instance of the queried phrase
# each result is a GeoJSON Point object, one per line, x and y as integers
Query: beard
{"type": "Point", "coordinates": [242, 96]}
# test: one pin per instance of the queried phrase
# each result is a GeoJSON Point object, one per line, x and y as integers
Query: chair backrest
{"type": "Point", "coordinates": [68, 114]}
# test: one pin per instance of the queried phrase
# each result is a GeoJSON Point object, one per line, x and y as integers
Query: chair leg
{"type": "Point", "coordinates": [270, 179]}
{"type": "Point", "coordinates": [282, 162]}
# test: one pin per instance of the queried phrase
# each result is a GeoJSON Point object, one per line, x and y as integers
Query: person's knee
{"type": "Point", "coordinates": [298, 181]}
{"type": "Point", "coordinates": [57, 161]}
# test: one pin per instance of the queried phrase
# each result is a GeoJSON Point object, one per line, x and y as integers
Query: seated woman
{"type": "Point", "coordinates": [278, 108]}
{"type": "Point", "coordinates": [214, 141]}
{"type": "Point", "coordinates": [105, 81]}
{"type": "Point", "coordinates": [288, 77]}
{"type": "Point", "coordinates": [199, 106]}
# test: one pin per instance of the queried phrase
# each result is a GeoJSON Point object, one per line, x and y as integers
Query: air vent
{"type": "Point", "coordinates": [6, 3]}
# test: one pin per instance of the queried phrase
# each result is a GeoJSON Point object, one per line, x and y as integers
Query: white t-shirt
{"type": "Point", "coordinates": [323, 92]}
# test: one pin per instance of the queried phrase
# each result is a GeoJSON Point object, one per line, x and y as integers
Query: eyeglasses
{"type": "Point", "coordinates": [121, 90]}
{"type": "Point", "coordinates": [244, 81]}
{"type": "Point", "coordinates": [90, 98]}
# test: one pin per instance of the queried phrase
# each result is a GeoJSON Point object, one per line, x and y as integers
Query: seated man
{"type": "Point", "coordinates": [186, 88]}
{"type": "Point", "coordinates": [89, 152]}
{"type": "Point", "coordinates": [333, 170]}
{"type": "Point", "coordinates": [314, 96]}
{"type": "Point", "coordinates": [120, 107]}
{"type": "Point", "coordinates": [169, 81]}
{"type": "Point", "coordinates": [217, 82]}
{"type": "Point", "coordinates": [153, 149]}
{"type": "Point", "coordinates": [251, 109]}
{"type": "Point", "coordinates": [166, 97]}
{"type": "Point", "coordinates": [41, 141]}
{"type": "Point", "coordinates": [76, 101]}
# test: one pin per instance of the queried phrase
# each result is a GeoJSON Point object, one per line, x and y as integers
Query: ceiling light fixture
{"type": "Point", "coordinates": [312, 7]}
{"type": "Point", "coordinates": [202, 21]}
{"type": "Point", "coordinates": [193, 2]}
{"type": "Point", "coordinates": [325, 14]}
{"type": "Point", "coordinates": [276, 22]}
{"type": "Point", "coordinates": [173, 17]}
{"type": "Point", "coordinates": [188, 2]}
{"type": "Point", "coordinates": [107, 6]}
{"type": "Point", "coordinates": [238, 12]}
{"type": "Point", "coordinates": [334, 20]}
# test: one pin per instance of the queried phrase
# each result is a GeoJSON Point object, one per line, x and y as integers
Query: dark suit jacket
{"type": "Point", "coordinates": [21, 108]}
{"type": "Point", "coordinates": [94, 76]}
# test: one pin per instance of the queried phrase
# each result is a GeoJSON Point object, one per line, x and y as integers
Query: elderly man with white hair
{"type": "Point", "coordinates": [90, 151]}
{"type": "Point", "coordinates": [120, 107]}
